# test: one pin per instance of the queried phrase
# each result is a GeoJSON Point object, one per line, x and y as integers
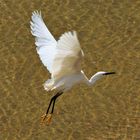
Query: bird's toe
{"type": "Point", "coordinates": [49, 118]}
{"type": "Point", "coordinates": [46, 119]}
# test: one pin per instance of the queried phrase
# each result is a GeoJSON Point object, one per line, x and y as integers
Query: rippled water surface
{"type": "Point", "coordinates": [109, 32]}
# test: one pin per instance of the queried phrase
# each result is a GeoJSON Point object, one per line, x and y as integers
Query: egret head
{"type": "Point", "coordinates": [101, 74]}
{"type": "Point", "coordinates": [98, 76]}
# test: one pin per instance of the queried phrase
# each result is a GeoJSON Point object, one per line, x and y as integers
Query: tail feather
{"type": "Point", "coordinates": [48, 85]}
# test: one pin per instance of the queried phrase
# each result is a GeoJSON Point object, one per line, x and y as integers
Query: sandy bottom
{"type": "Point", "coordinates": [109, 32]}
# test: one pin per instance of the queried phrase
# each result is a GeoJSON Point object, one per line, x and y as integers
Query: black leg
{"type": "Point", "coordinates": [53, 100]}
{"type": "Point", "coordinates": [53, 106]}
{"type": "Point", "coordinates": [49, 105]}
{"type": "Point", "coordinates": [56, 96]}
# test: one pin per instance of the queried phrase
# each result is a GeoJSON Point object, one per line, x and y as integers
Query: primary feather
{"type": "Point", "coordinates": [45, 42]}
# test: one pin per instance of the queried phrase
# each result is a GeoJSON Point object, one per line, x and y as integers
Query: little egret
{"type": "Point", "coordinates": [62, 58]}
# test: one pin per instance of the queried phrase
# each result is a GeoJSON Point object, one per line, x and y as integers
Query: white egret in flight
{"type": "Point", "coordinates": [62, 58]}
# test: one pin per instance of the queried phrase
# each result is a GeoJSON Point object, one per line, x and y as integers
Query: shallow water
{"type": "Point", "coordinates": [109, 32]}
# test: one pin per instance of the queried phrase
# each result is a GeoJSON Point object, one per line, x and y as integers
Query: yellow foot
{"type": "Point", "coordinates": [46, 118]}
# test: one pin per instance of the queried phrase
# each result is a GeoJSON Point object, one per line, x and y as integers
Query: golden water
{"type": "Point", "coordinates": [109, 32]}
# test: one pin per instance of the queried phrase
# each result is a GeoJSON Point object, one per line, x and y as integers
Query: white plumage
{"type": "Point", "coordinates": [45, 42]}
{"type": "Point", "coordinates": [62, 58]}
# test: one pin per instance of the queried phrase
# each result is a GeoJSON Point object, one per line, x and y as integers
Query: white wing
{"type": "Point", "coordinates": [45, 42]}
{"type": "Point", "coordinates": [68, 56]}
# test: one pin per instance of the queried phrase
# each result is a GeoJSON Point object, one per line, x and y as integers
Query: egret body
{"type": "Point", "coordinates": [62, 58]}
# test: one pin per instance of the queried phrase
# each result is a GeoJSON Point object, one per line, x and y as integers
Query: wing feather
{"type": "Point", "coordinates": [45, 42]}
{"type": "Point", "coordinates": [68, 56]}
{"type": "Point", "coordinates": [62, 57]}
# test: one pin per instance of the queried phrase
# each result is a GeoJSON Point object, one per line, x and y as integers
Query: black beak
{"type": "Point", "coordinates": [107, 73]}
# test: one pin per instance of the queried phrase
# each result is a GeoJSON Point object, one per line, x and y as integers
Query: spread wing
{"type": "Point", "coordinates": [68, 56]}
{"type": "Point", "coordinates": [45, 42]}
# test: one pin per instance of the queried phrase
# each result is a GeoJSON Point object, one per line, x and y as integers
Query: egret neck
{"type": "Point", "coordinates": [96, 77]}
